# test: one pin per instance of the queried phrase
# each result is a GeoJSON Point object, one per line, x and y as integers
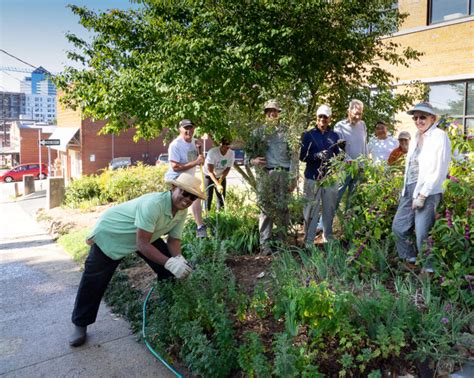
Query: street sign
{"type": "Point", "coordinates": [50, 142]}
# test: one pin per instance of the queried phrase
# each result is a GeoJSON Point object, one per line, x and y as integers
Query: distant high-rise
{"type": "Point", "coordinates": [39, 83]}
{"type": "Point", "coordinates": [40, 92]}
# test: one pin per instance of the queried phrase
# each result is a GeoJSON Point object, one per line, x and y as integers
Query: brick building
{"type": "Point", "coordinates": [444, 31]}
{"type": "Point", "coordinates": [24, 139]}
{"type": "Point", "coordinates": [83, 151]}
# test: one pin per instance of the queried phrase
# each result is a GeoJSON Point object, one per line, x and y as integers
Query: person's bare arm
{"type": "Point", "coordinates": [178, 167]}
{"type": "Point", "coordinates": [147, 249]}
{"type": "Point", "coordinates": [174, 246]}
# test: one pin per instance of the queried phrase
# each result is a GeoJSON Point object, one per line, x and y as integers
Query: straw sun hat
{"type": "Point", "coordinates": [189, 184]}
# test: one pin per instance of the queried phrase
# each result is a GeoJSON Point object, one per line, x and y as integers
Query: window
{"type": "Point", "coordinates": [456, 100]}
{"type": "Point", "coordinates": [445, 10]}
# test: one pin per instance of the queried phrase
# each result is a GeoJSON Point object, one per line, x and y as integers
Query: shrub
{"type": "Point", "coordinates": [80, 190]}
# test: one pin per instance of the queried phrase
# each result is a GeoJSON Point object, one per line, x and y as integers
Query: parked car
{"type": "Point", "coordinates": [162, 159]}
{"type": "Point", "coordinates": [239, 156]}
{"type": "Point", "coordinates": [17, 173]}
{"type": "Point", "coordinates": [120, 162]}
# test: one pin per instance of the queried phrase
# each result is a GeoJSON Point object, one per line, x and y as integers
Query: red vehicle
{"type": "Point", "coordinates": [17, 173]}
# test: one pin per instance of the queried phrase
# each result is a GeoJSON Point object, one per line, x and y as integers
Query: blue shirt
{"type": "Point", "coordinates": [315, 141]}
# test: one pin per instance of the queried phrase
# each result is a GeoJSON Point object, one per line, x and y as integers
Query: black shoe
{"type": "Point", "coordinates": [78, 337]}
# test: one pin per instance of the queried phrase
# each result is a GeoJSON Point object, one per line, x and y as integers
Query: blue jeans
{"type": "Point", "coordinates": [408, 223]}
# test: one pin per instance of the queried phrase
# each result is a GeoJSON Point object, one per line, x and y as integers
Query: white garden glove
{"type": "Point", "coordinates": [220, 188]}
{"type": "Point", "coordinates": [418, 203]}
{"type": "Point", "coordinates": [178, 266]}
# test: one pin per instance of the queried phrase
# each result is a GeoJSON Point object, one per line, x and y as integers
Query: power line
{"type": "Point", "coordinates": [13, 56]}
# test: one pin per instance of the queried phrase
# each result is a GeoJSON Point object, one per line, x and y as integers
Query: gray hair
{"type": "Point", "coordinates": [356, 104]}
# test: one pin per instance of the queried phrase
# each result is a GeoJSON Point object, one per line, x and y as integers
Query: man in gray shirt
{"type": "Point", "coordinates": [273, 182]}
{"type": "Point", "coordinates": [354, 132]}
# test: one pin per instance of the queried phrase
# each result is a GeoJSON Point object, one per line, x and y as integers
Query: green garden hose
{"type": "Point", "coordinates": [150, 348]}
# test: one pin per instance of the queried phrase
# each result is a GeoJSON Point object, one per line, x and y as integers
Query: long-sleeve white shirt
{"type": "Point", "coordinates": [434, 159]}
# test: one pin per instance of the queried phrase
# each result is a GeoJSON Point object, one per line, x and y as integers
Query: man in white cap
{"type": "Point", "coordinates": [318, 146]}
{"type": "Point", "coordinates": [354, 132]}
{"type": "Point", "coordinates": [183, 156]}
{"type": "Point", "coordinates": [380, 146]}
{"type": "Point", "coordinates": [275, 183]}
{"type": "Point", "coordinates": [398, 153]}
{"type": "Point", "coordinates": [134, 226]}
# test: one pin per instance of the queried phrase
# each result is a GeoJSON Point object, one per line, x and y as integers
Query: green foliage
{"type": "Point", "coordinates": [81, 190]}
{"type": "Point", "coordinates": [252, 359]}
{"type": "Point", "coordinates": [74, 243]}
{"type": "Point", "coordinates": [124, 299]}
{"type": "Point", "coordinates": [123, 185]}
{"type": "Point", "coordinates": [196, 313]}
{"type": "Point", "coordinates": [217, 61]}
{"type": "Point", "coordinates": [115, 186]}
{"type": "Point", "coordinates": [450, 240]}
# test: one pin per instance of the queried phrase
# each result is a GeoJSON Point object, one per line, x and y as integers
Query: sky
{"type": "Point", "coordinates": [34, 31]}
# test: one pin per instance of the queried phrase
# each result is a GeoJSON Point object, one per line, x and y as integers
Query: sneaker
{"type": "Point", "coordinates": [78, 337]}
{"type": "Point", "coordinates": [202, 231]}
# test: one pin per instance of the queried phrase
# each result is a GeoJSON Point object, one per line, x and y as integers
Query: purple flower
{"type": "Point", "coordinates": [469, 277]}
{"type": "Point", "coordinates": [444, 320]}
{"type": "Point", "coordinates": [453, 179]}
{"type": "Point", "coordinates": [442, 279]}
{"type": "Point", "coordinates": [448, 307]}
{"type": "Point", "coordinates": [469, 137]}
{"type": "Point", "coordinates": [448, 218]}
{"type": "Point", "coordinates": [359, 250]}
{"type": "Point", "coordinates": [467, 232]}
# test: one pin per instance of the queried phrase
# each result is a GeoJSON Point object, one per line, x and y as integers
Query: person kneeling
{"type": "Point", "coordinates": [135, 226]}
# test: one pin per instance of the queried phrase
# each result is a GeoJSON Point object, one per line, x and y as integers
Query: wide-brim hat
{"type": "Point", "coordinates": [424, 107]}
{"type": "Point", "coordinates": [189, 184]}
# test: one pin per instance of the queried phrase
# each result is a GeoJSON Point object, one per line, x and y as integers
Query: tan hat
{"type": "Point", "coordinates": [188, 183]}
{"type": "Point", "coordinates": [272, 104]}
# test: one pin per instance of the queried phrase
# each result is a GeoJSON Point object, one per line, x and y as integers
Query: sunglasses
{"type": "Point", "coordinates": [416, 118]}
{"type": "Point", "coordinates": [186, 194]}
{"type": "Point", "coordinates": [323, 116]}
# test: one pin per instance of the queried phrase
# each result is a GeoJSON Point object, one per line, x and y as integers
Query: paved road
{"type": "Point", "coordinates": [38, 283]}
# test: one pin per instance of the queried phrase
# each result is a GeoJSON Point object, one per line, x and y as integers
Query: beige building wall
{"type": "Point", "coordinates": [66, 117]}
{"type": "Point", "coordinates": [447, 47]}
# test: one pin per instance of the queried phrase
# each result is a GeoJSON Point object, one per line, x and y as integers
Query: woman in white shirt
{"type": "Point", "coordinates": [427, 162]}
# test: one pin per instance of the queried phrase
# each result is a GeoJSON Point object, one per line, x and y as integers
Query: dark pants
{"type": "Point", "coordinates": [98, 271]}
{"type": "Point", "coordinates": [210, 189]}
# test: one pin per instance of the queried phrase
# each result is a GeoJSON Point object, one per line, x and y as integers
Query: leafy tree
{"type": "Point", "coordinates": [217, 61]}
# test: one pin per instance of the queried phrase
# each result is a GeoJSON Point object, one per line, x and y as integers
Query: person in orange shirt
{"type": "Point", "coordinates": [396, 155]}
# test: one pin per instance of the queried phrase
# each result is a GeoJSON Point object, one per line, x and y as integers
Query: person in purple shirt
{"type": "Point", "coordinates": [318, 146]}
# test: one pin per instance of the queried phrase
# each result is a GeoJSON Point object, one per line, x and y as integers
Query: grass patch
{"type": "Point", "coordinates": [74, 244]}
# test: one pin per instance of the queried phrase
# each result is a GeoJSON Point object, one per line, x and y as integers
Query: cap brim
{"type": "Point", "coordinates": [421, 109]}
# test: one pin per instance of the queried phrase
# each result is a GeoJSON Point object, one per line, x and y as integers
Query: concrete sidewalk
{"type": "Point", "coordinates": [38, 283]}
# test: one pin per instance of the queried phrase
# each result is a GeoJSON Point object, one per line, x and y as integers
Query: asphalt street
{"type": "Point", "coordinates": [38, 283]}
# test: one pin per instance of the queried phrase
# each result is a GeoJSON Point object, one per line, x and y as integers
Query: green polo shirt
{"type": "Point", "coordinates": [116, 230]}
